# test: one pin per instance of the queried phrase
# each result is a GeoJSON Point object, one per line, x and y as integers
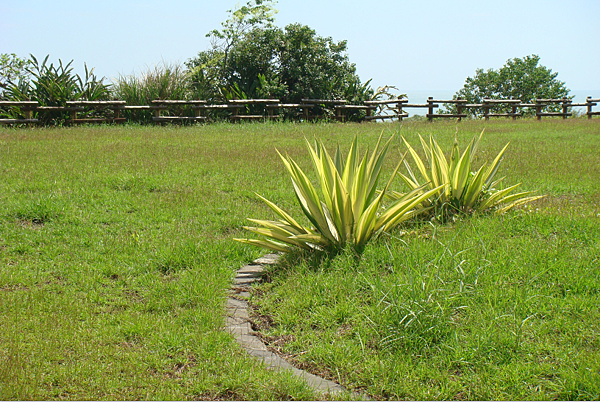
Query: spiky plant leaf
{"type": "Point", "coordinates": [346, 211]}
{"type": "Point", "coordinates": [466, 190]}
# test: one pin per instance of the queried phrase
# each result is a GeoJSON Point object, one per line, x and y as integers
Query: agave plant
{"type": "Point", "coordinates": [347, 212]}
{"type": "Point", "coordinates": [459, 188]}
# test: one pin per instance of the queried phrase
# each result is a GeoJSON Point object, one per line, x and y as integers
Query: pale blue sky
{"type": "Point", "coordinates": [428, 45]}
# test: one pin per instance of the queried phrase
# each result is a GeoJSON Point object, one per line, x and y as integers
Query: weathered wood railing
{"type": "Point", "coordinates": [159, 105]}
{"type": "Point", "coordinates": [385, 106]}
{"type": "Point", "coordinates": [96, 107]}
{"type": "Point", "coordinates": [25, 106]}
{"type": "Point", "coordinates": [487, 105]}
{"type": "Point", "coordinates": [540, 103]}
{"type": "Point", "coordinates": [590, 102]}
{"type": "Point", "coordinates": [318, 108]}
{"type": "Point", "coordinates": [308, 109]}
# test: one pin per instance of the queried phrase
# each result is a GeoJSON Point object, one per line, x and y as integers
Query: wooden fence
{"type": "Point", "coordinates": [487, 105]}
{"type": "Point", "coordinates": [308, 109]}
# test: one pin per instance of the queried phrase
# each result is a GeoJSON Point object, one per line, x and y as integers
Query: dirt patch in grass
{"type": "Point", "coordinates": [14, 287]}
{"type": "Point", "coordinates": [34, 224]}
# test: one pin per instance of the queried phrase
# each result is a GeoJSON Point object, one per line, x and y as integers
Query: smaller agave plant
{"type": "Point", "coordinates": [460, 189]}
{"type": "Point", "coordinates": [347, 213]}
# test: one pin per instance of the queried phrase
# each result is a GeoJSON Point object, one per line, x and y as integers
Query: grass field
{"type": "Point", "coordinates": [116, 254]}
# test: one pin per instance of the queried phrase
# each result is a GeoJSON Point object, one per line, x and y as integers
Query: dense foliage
{"type": "Point", "coordinates": [251, 58]}
{"type": "Point", "coordinates": [53, 85]}
{"type": "Point", "coordinates": [162, 81]}
{"type": "Point", "coordinates": [289, 64]}
{"type": "Point", "coordinates": [523, 79]}
{"type": "Point", "coordinates": [12, 68]}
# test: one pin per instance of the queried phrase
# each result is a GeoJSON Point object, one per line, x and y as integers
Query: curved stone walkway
{"type": "Point", "coordinates": [238, 324]}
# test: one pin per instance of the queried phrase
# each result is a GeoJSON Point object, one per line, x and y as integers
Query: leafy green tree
{"type": "Point", "coordinates": [252, 58]}
{"type": "Point", "coordinates": [255, 14]}
{"type": "Point", "coordinates": [12, 68]}
{"type": "Point", "coordinates": [311, 66]}
{"type": "Point", "coordinates": [522, 79]}
{"type": "Point", "coordinates": [211, 72]}
{"type": "Point", "coordinates": [252, 68]}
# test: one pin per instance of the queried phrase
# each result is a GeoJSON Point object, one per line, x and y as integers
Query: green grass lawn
{"type": "Point", "coordinates": [116, 254]}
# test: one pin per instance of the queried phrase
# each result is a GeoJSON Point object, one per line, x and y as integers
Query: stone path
{"type": "Point", "coordinates": [238, 324]}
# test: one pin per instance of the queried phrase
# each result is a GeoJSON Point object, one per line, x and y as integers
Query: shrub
{"type": "Point", "coordinates": [460, 190]}
{"type": "Point", "coordinates": [163, 81]}
{"type": "Point", "coordinates": [52, 85]}
{"type": "Point", "coordinates": [348, 212]}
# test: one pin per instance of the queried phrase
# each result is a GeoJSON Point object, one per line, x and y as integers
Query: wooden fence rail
{"type": "Point", "coordinates": [26, 106]}
{"type": "Point", "coordinates": [308, 109]}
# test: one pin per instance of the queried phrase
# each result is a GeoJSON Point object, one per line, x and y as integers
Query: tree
{"type": "Point", "coordinates": [255, 14]}
{"type": "Point", "coordinates": [12, 68]}
{"type": "Point", "coordinates": [252, 58]}
{"type": "Point", "coordinates": [311, 66]}
{"type": "Point", "coordinates": [210, 71]}
{"type": "Point", "coordinates": [520, 79]}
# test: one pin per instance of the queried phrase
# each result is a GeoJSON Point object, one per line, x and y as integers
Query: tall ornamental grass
{"type": "Point", "coordinates": [162, 81]}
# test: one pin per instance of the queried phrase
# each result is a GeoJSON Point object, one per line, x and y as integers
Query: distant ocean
{"type": "Point", "coordinates": [420, 97]}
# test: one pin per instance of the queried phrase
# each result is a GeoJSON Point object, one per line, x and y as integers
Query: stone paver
{"type": "Point", "coordinates": [238, 324]}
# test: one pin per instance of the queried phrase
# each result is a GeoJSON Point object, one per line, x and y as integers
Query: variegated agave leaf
{"type": "Point", "coordinates": [460, 188]}
{"type": "Point", "coordinates": [346, 211]}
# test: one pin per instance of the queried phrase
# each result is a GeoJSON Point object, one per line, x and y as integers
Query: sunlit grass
{"type": "Point", "coordinates": [116, 258]}
{"type": "Point", "coordinates": [482, 309]}
{"type": "Point", "coordinates": [116, 253]}
{"type": "Point", "coordinates": [490, 309]}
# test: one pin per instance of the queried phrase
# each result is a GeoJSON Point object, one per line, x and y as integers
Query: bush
{"type": "Point", "coordinates": [163, 81]}
{"type": "Point", "coordinates": [347, 213]}
{"type": "Point", "coordinates": [460, 190]}
{"type": "Point", "coordinates": [52, 85]}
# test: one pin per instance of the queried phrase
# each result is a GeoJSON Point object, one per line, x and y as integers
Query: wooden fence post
{"type": "Point", "coordinates": [459, 107]}
{"type": "Point", "coordinates": [538, 109]}
{"type": "Point", "coordinates": [588, 101]}
{"type": "Point", "coordinates": [486, 108]}
{"type": "Point", "coordinates": [339, 115]}
{"type": "Point", "coordinates": [565, 107]}
{"type": "Point", "coordinates": [430, 108]}
{"type": "Point", "coordinates": [400, 112]}
{"type": "Point", "coordinates": [514, 111]}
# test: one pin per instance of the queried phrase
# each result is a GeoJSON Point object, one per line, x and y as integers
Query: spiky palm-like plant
{"type": "Point", "coordinates": [460, 188]}
{"type": "Point", "coordinates": [348, 211]}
